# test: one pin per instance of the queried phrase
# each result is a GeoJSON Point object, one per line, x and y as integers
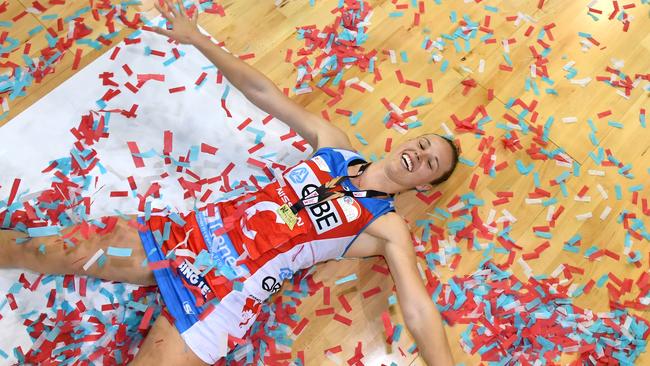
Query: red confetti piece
{"type": "Point", "coordinates": [388, 327]}
{"type": "Point", "coordinates": [127, 69]}
{"type": "Point", "coordinates": [342, 319]}
{"type": "Point", "coordinates": [77, 59]}
{"type": "Point", "coordinates": [223, 105]}
{"type": "Point", "coordinates": [381, 269]}
{"type": "Point", "coordinates": [133, 147]}
{"type": "Point", "coordinates": [51, 298]}
{"type": "Point", "coordinates": [604, 113]}
{"type": "Point", "coordinates": [326, 295]}
{"type": "Point", "coordinates": [208, 149]}
{"type": "Point", "coordinates": [429, 199]}
{"type": "Point", "coordinates": [299, 328]}
{"type": "Point", "coordinates": [116, 50]}
{"type": "Point", "coordinates": [144, 323]}
{"type": "Point", "coordinates": [176, 90]}
{"type": "Point", "coordinates": [201, 78]}
{"type": "Point", "coordinates": [345, 303]}
{"type": "Point", "coordinates": [246, 122]}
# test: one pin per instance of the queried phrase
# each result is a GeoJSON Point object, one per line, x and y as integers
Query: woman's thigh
{"type": "Point", "coordinates": [51, 255]}
{"type": "Point", "coordinates": [164, 345]}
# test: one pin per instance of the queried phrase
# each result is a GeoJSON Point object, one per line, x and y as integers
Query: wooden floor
{"type": "Point", "coordinates": [267, 30]}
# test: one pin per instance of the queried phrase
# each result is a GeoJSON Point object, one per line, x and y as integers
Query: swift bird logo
{"type": "Point", "coordinates": [251, 307]}
{"type": "Point", "coordinates": [254, 209]}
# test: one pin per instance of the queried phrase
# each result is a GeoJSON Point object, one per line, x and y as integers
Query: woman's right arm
{"type": "Point", "coordinates": [257, 88]}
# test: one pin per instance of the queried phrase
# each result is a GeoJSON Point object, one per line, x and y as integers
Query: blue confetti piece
{"type": "Point", "coordinates": [43, 231]}
{"type": "Point", "coordinates": [618, 191]}
{"type": "Point", "coordinates": [444, 65]}
{"type": "Point", "coordinates": [119, 251]}
{"type": "Point", "coordinates": [352, 277]}
{"type": "Point", "coordinates": [360, 138]}
{"type": "Point", "coordinates": [615, 124]}
{"type": "Point", "coordinates": [601, 281]}
{"type": "Point", "coordinates": [404, 56]}
{"type": "Point", "coordinates": [467, 162]}
{"type": "Point", "coordinates": [397, 332]}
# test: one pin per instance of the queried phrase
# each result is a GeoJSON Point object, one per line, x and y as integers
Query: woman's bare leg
{"type": "Point", "coordinates": [163, 345]}
{"type": "Point", "coordinates": [70, 260]}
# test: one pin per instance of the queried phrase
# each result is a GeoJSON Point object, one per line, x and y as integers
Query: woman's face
{"type": "Point", "coordinates": [419, 161]}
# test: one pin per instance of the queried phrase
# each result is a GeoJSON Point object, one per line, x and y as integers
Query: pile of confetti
{"type": "Point", "coordinates": [509, 320]}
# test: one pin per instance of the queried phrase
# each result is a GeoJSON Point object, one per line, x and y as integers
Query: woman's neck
{"type": "Point", "coordinates": [373, 178]}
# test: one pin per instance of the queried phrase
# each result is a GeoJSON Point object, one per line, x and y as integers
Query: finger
{"type": "Point", "coordinates": [172, 8]}
{"type": "Point", "coordinates": [163, 12]}
{"type": "Point", "coordinates": [195, 16]}
{"type": "Point", "coordinates": [161, 31]}
{"type": "Point", "coordinates": [181, 6]}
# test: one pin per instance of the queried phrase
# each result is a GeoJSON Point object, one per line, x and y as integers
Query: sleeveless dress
{"type": "Point", "coordinates": [218, 279]}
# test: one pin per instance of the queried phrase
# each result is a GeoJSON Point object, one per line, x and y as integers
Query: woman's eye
{"type": "Point", "coordinates": [421, 147]}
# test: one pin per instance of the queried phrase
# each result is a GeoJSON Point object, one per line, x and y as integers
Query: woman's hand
{"type": "Point", "coordinates": [184, 29]}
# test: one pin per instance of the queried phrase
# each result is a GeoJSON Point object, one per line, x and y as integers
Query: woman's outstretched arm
{"type": "Point", "coordinates": [257, 88]}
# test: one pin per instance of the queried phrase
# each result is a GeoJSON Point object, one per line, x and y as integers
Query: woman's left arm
{"type": "Point", "coordinates": [421, 316]}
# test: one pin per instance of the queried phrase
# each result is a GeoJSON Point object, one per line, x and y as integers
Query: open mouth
{"type": "Point", "coordinates": [406, 162]}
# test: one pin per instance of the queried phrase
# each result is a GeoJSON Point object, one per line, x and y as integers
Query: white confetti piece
{"type": "Point", "coordinates": [533, 71]}
{"type": "Point", "coordinates": [605, 213]}
{"type": "Point", "coordinates": [599, 173]}
{"type": "Point", "coordinates": [457, 207]}
{"type": "Point", "coordinates": [527, 270]}
{"type": "Point", "coordinates": [550, 212]}
{"type": "Point", "coordinates": [513, 126]}
{"type": "Point", "coordinates": [93, 259]}
{"type": "Point", "coordinates": [583, 216]}
{"type": "Point", "coordinates": [557, 270]}
{"type": "Point", "coordinates": [467, 69]}
{"type": "Point", "coordinates": [185, 253]}
{"type": "Point", "coordinates": [447, 130]}
{"type": "Point", "coordinates": [422, 274]}
{"type": "Point", "coordinates": [366, 86]}
{"type": "Point", "coordinates": [393, 58]}
{"type": "Point", "coordinates": [568, 65]}
{"type": "Point", "coordinates": [602, 191]}
{"type": "Point", "coordinates": [569, 119]}
{"type": "Point", "coordinates": [622, 93]}
{"type": "Point", "coordinates": [581, 82]}
{"type": "Point", "coordinates": [582, 199]}
{"type": "Point", "coordinates": [491, 215]}
{"type": "Point", "coordinates": [334, 358]}
{"type": "Point", "coordinates": [481, 65]}
{"type": "Point", "coordinates": [305, 90]}
{"type": "Point", "coordinates": [509, 216]}
{"type": "Point", "coordinates": [533, 201]}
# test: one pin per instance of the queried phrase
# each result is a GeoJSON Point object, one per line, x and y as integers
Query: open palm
{"type": "Point", "coordinates": [184, 29]}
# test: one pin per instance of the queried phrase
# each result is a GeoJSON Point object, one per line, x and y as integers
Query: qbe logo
{"type": "Point", "coordinates": [298, 175]}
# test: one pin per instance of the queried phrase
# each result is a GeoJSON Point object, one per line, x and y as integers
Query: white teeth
{"type": "Point", "coordinates": [407, 160]}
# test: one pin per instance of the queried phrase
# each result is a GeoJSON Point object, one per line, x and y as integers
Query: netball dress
{"type": "Point", "coordinates": [221, 270]}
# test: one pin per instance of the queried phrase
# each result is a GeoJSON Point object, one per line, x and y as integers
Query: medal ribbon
{"type": "Point", "coordinates": [327, 192]}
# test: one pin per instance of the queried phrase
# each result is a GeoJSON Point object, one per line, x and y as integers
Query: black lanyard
{"type": "Point", "coordinates": [326, 192]}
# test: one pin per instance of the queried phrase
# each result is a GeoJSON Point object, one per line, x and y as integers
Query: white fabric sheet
{"type": "Point", "coordinates": [42, 133]}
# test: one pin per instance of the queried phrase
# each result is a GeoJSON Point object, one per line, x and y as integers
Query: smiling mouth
{"type": "Point", "coordinates": [406, 162]}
